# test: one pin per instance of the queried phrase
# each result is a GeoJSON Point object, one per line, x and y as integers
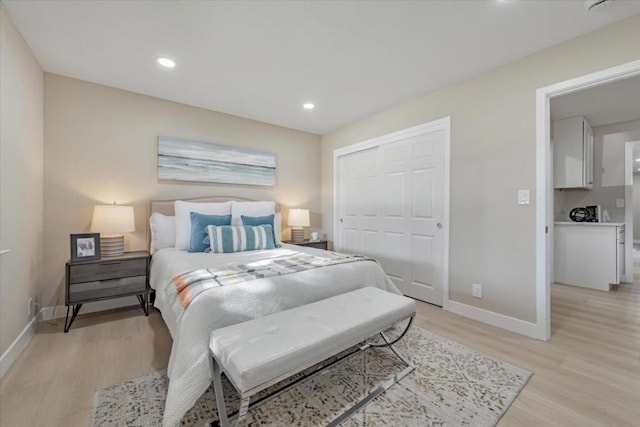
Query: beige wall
{"type": "Point", "coordinates": [492, 238]}
{"type": "Point", "coordinates": [101, 146]}
{"type": "Point", "coordinates": [21, 151]}
{"type": "Point", "coordinates": [608, 137]}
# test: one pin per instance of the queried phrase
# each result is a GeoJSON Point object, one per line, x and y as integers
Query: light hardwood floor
{"type": "Point", "coordinates": [587, 375]}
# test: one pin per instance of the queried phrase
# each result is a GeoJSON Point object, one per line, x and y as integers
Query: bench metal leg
{"type": "Point", "coordinates": [217, 387]}
{"type": "Point", "coordinates": [242, 412]}
{"type": "Point", "coordinates": [372, 395]}
{"type": "Point", "coordinates": [382, 388]}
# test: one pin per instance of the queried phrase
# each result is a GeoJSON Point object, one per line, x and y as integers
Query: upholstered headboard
{"type": "Point", "coordinates": [165, 207]}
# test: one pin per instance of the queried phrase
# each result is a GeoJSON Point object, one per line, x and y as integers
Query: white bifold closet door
{"type": "Point", "coordinates": [391, 207]}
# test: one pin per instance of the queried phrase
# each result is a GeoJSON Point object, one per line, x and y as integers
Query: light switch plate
{"type": "Point", "coordinates": [524, 197]}
{"type": "Point", "coordinates": [619, 203]}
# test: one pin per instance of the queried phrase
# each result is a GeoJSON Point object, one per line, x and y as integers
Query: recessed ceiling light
{"type": "Point", "coordinates": [308, 106]}
{"type": "Point", "coordinates": [166, 62]}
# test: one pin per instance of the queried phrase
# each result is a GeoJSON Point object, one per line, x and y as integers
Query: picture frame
{"type": "Point", "coordinates": [195, 161]}
{"type": "Point", "coordinates": [85, 247]}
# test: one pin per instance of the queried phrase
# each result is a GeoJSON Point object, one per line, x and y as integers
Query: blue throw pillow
{"type": "Point", "coordinates": [199, 224]}
{"type": "Point", "coordinates": [261, 220]}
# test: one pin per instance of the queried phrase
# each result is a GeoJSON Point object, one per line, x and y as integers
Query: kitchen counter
{"type": "Point", "coordinates": [589, 254]}
{"type": "Point", "coordinates": [591, 224]}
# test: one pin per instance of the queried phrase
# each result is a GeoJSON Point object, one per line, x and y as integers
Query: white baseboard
{"type": "Point", "coordinates": [495, 319]}
{"type": "Point", "coordinates": [17, 346]}
{"type": "Point", "coordinates": [48, 313]}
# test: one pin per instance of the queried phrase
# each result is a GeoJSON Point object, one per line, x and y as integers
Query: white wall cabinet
{"type": "Point", "coordinates": [590, 255]}
{"type": "Point", "coordinates": [573, 153]}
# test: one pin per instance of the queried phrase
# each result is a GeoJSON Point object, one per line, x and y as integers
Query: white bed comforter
{"type": "Point", "coordinates": [189, 368]}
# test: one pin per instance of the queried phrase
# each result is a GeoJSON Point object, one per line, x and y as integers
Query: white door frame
{"type": "Point", "coordinates": [543, 207]}
{"type": "Point", "coordinates": [443, 124]}
{"type": "Point", "coordinates": [628, 209]}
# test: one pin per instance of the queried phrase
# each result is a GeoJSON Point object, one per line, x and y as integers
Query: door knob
{"type": "Point", "coordinates": [341, 220]}
{"type": "Point", "coordinates": [439, 225]}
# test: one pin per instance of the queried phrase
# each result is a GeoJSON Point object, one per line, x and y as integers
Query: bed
{"type": "Point", "coordinates": [189, 371]}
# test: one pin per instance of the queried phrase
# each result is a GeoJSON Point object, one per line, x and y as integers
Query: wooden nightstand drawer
{"type": "Point", "coordinates": [81, 292]}
{"type": "Point", "coordinates": [104, 270]}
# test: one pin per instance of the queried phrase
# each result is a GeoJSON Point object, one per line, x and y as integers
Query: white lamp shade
{"type": "Point", "coordinates": [299, 217]}
{"type": "Point", "coordinates": [112, 219]}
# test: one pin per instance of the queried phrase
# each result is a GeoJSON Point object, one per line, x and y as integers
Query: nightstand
{"type": "Point", "coordinates": [319, 244]}
{"type": "Point", "coordinates": [106, 278]}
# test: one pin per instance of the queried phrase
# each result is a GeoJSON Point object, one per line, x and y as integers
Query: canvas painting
{"type": "Point", "coordinates": [185, 160]}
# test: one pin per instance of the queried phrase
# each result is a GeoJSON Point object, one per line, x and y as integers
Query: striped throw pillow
{"type": "Point", "coordinates": [240, 238]}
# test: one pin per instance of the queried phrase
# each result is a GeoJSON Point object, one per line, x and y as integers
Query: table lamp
{"type": "Point", "coordinates": [298, 218]}
{"type": "Point", "coordinates": [111, 221]}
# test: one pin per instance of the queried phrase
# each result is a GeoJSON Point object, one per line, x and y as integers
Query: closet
{"type": "Point", "coordinates": [390, 205]}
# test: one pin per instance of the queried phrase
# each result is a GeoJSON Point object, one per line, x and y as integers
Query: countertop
{"type": "Point", "coordinates": [591, 224]}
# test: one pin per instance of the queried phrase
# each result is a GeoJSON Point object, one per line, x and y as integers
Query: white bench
{"type": "Point", "coordinates": [261, 352]}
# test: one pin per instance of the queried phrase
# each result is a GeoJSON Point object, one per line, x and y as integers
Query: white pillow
{"type": "Point", "coordinates": [250, 209]}
{"type": "Point", "coordinates": [277, 228]}
{"type": "Point", "coordinates": [163, 231]}
{"type": "Point", "coordinates": [183, 218]}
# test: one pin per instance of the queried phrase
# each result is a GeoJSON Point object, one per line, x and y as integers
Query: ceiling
{"type": "Point", "coordinates": [263, 60]}
{"type": "Point", "coordinates": [601, 105]}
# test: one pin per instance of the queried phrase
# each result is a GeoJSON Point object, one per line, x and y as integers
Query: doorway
{"type": "Point", "coordinates": [544, 181]}
{"type": "Point", "coordinates": [392, 203]}
{"type": "Point", "coordinates": [632, 210]}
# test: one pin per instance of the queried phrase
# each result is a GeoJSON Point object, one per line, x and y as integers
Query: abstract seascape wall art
{"type": "Point", "coordinates": [185, 160]}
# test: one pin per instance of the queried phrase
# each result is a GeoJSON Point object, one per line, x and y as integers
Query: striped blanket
{"type": "Point", "coordinates": [187, 286]}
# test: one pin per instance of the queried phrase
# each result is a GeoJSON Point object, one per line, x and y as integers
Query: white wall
{"type": "Point", "coordinates": [101, 146]}
{"type": "Point", "coordinates": [608, 172]}
{"type": "Point", "coordinates": [21, 186]}
{"type": "Point", "coordinates": [492, 238]}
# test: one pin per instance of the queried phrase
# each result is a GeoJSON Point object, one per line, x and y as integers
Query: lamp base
{"type": "Point", "coordinates": [111, 245]}
{"type": "Point", "coordinates": [297, 234]}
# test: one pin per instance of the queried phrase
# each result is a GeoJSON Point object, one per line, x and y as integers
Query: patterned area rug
{"type": "Point", "coordinates": [451, 386]}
